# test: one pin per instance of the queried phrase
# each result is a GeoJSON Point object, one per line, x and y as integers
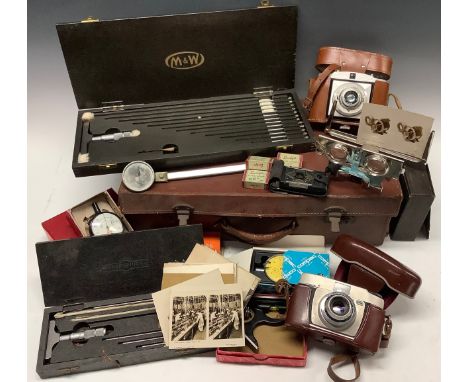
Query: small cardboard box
{"type": "Point", "coordinates": [71, 224]}
{"type": "Point", "coordinates": [258, 163]}
{"type": "Point", "coordinates": [256, 179]}
{"type": "Point", "coordinates": [291, 160]}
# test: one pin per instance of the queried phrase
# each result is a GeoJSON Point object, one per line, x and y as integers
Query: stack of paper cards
{"type": "Point", "coordinates": [203, 300]}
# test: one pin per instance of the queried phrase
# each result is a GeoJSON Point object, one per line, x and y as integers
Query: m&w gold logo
{"type": "Point", "coordinates": [184, 60]}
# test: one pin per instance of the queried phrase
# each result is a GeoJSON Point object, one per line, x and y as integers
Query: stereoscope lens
{"type": "Point", "coordinates": [338, 153]}
{"type": "Point", "coordinates": [377, 165]}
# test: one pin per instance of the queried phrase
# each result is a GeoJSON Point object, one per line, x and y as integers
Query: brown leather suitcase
{"type": "Point", "coordinates": [259, 216]}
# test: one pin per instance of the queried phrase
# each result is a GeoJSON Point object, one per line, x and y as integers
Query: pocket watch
{"type": "Point", "coordinates": [104, 222]}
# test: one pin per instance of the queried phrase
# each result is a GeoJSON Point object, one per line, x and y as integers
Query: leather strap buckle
{"type": "Point", "coordinates": [307, 103]}
{"type": "Point", "coordinates": [386, 332]}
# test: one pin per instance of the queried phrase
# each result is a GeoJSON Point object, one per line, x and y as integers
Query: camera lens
{"type": "Point", "coordinates": [338, 310]}
{"type": "Point", "coordinates": [339, 305]}
{"type": "Point", "coordinates": [351, 97]}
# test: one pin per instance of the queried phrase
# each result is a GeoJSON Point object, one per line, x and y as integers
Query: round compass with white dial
{"type": "Point", "coordinates": [138, 176]}
{"type": "Point", "coordinates": [104, 223]}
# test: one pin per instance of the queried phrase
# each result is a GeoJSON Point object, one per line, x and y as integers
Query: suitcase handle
{"type": "Point", "coordinates": [258, 238]}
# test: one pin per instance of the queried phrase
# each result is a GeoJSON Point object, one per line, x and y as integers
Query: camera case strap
{"type": "Point", "coordinates": [352, 357]}
{"type": "Point", "coordinates": [331, 59]}
{"type": "Point", "coordinates": [341, 359]}
{"type": "Point", "coordinates": [316, 84]}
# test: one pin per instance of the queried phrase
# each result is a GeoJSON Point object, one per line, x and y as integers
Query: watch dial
{"type": "Point", "coordinates": [106, 223]}
{"type": "Point", "coordinates": [274, 268]}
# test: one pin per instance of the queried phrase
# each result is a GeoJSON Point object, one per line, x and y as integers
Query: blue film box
{"type": "Point", "coordinates": [296, 263]}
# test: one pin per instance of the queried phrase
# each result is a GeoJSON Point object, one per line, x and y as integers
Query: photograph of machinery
{"type": "Point", "coordinates": [188, 318]}
{"type": "Point", "coordinates": [225, 315]}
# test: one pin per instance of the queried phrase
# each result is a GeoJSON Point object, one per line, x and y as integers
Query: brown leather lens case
{"type": "Point", "coordinates": [366, 266]}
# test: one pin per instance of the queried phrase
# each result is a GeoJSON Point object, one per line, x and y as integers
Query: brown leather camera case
{"type": "Point", "coordinates": [368, 267]}
{"type": "Point", "coordinates": [220, 203]}
{"type": "Point", "coordinates": [368, 336]}
{"type": "Point", "coordinates": [330, 59]}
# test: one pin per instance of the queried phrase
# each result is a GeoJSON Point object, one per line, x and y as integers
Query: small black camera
{"type": "Point", "coordinates": [297, 181]}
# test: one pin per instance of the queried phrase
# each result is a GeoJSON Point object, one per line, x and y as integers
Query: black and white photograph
{"type": "Point", "coordinates": [225, 315]}
{"type": "Point", "coordinates": [188, 318]}
{"type": "Point", "coordinates": [207, 319]}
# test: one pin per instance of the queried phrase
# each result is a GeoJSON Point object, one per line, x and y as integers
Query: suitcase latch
{"type": "Point", "coordinates": [335, 216]}
{"type": "Point", "coordinates": [183, 214]}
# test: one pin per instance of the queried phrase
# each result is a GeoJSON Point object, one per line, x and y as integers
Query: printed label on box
{"type": "Point", "coordinates": [296, 263]}
{"type": "Point", "coordinates": [256, 179]}
{"type": "Point", "coordinates": [291, 160]}
{"type": "Point", "coordinates": [259, 163]}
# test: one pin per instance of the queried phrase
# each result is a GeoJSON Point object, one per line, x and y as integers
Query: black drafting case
{"type": "Point", "coordinates": [418, 195]}
{"type": "Point", "coordinates": [190, 89]}
{"type": "Point", "coordinates": [88, 273]}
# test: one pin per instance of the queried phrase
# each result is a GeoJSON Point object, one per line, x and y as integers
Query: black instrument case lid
{"type": "Point", "coordinates": [111, 266]}
{"type": "Point", "coordinates": [186, 56]}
